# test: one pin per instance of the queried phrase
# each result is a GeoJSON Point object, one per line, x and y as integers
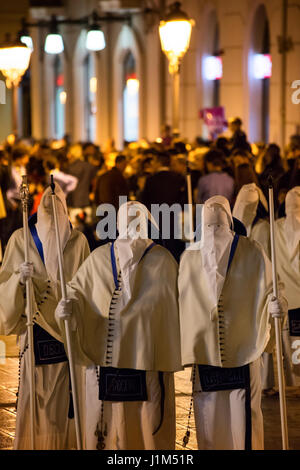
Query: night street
{"type": "Point", "coordinates": [150, 226]}
{"type": "Point", "coordinates": [270, 406]}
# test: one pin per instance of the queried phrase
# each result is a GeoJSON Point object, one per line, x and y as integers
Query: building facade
{"type": "Point", "coordinates": [124, 91]}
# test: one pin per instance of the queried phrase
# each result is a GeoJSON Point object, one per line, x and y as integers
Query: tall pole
{"type": "Point", "coordinates": [174, 69]}
{"type": "Point", "coordinates": [67, 325]}
{"type": "Point", "coordinates": [175, 100]}
{"type": "Point", "coordinates": [277, 321]}
{"type": "Point", "coordinates": [24, 193]}
{"type": "Point", "coordinates": [190, 201]}
{"type": "Point", "coordinates": [283, 72]}
{"type": "Point", "coordinates": [15, 109]}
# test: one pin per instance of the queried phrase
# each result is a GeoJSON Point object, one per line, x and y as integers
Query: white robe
{"type": "Point", "coordinates": [220, 415]}
{"type": "Point", "coordinates": [291, 280]}
{"type": "Point", "coordinates": [147, 333]}
{"type": "Point", "coordinates": [130, 425]}
{"type": "Point", "coordinates": [260, 232]}
{"type": "Point", "coordinates": [145, 337]}
{"type": "Point", "coordinates": [214, 433]}
{"type": "Point", "coordinates": [53, 429]}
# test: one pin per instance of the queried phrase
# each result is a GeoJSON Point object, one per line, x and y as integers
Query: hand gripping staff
{"type": "Point", "coordinates": [281, 382]}
{"type": "Point", "coordinates": [67, 325]}
{"type": "Point", "coordinates": [24, 194]}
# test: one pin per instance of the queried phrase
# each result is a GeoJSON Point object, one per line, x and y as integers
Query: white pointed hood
{"type": "Point", "coordinates": [215, 244]}
{"type": "Point", "coordinates": [132, 242]}
{"type": "Point", "coordinates": [292, 226]}
{"type": "Point", "coordinates": [246, 204]}
{"type": "Point", "coordinates": [46, 229]}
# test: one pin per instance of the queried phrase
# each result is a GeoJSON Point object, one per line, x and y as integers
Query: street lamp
{"type": "Point", "coordinates": [25, 37]}
{"type": "Point", "coordinates": [95, 40]}
{"type": "Point", "coordinates": [14, 61]}
{"type": "Point", "coordinates": [175, 33]}
{"type": "Point", "coordinates": [54, 43]}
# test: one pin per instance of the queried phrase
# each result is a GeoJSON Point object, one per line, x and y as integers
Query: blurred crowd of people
{"type": "Point", "coordinates": [150, 172]}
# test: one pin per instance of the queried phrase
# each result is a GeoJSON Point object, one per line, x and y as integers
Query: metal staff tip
{"type": "Point", "coordinates": [24, 191]}
{"type": "Point", "coordinates": [270, 181]}
{"type": "Point", "coordinates": [52, 185]}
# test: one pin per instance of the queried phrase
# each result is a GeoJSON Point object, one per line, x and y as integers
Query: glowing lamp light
{"type": "Point", "coordinates": [27, 40]}
{"type": "Point", "coordinates": [175, 33]}
{"type": "Point", "coordinates": [11, 139]}
{"type": "Point", "coordinates": [14, 61]}
{"type": "Point", "coordinates": [262, 66]}
{"type": "Point", "coordinates": [95, 40]}
{"type": "Point", "coordinates": [132, 84]}
{"type": "Point", "coordinates": [63, 97]}
{"type": "Point", "coordinates": [213, 68]}
{"type": "Point", "coordinates": [54, 44]}
{"type": "Point", "coordinates": [93, 84]}
{"type": "Point", "coordinates": [24, 35]}
{"type": "Point", "coordinates": [175, 37]}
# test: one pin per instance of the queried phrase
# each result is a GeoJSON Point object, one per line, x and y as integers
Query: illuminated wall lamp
{"type": "Point", "coordinates": [213, 68]}
{"type": "Point", "coordinates": [63, 97]}
{"type": "Point", "coordinates": [132, 84]}
{"type": "Point", "coordinates": [54, 42]}
{"type": "Point", "coordinates": [95, 40]}
{"type": "Point", "coordinates": [262, 66]}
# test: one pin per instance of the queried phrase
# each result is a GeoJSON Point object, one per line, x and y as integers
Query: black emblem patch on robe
{"type": "Point", "coordinates": [122, 384]}
{"type": "Point", "coordinates": [213, 378]}
{"type": "Point", "coordinates": [294, 322]}
{"type": "Point", "coordinates": [47, 350]}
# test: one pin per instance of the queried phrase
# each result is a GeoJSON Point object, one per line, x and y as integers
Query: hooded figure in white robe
{"type": "Point", "coordinates": [224, 286]}
{"type": "Point", "coordinates": [287, 236]}
{"type": "Point", "coordinates": [123, 304]}
{"type": "Point", "coordinates": [54, 425]}
{"type": "Point", "coordinates": [251, 208]}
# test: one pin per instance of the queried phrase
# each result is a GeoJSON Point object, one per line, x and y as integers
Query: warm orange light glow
{"type": "Point", "coordinates": [14, 61]}
{"type": "Point", "coordinates": [63, 97]}
{"type": "Point", "coordinates": [11, 139]}
{"type": "Point", "coordinates": [93, 84]}
{"type": "Point", "coordinates": [175, 40]}
{"type": "Point", "coordinates": [133, 85]}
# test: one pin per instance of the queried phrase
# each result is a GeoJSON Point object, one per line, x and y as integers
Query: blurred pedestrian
{"type": "Point", "coordinates": [216, 181]}
{"type": "Point", "coordinates": [79, 198]}
{"type": "Point", "coordinates": [112, 184]}
{"type": "Point", "coordinates": [166, 187]}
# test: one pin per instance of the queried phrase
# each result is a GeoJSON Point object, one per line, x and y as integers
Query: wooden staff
{"type": "Point", "coordinates": [67, 324]}
{"type": "Point", "coordinates": [24, 194]}
{"type": "Point", "coordinates": [277, 321]}
{"type": "Point", "coordinates": [190, 199]}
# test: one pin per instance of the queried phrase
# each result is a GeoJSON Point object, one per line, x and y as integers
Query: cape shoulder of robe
{"type": "Point", "coordinates": [243, 317]}
{"type": "Point", "coordinates": [146, 332]}
{"type": "Point", "coordinates": [289, 276]}
{"type": "Point", "coordinates": [12, 294]}
{"type": "Point", "coordinates": [260, 232]}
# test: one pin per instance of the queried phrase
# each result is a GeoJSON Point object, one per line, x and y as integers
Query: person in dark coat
{"type": "Point", "coordinates": [112, 184]}
{"type": "Point", "coordinates": [238, 138]}
{"type": "Point", "coordinates": [79, 198]}
{"type": "Point", "coordinates": [273, 166]}
{"type": "Point", "coordinates": [166, 187]}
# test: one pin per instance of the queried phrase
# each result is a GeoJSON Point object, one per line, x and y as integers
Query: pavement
{"type": "Point", "coordinates": [270, 406]}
